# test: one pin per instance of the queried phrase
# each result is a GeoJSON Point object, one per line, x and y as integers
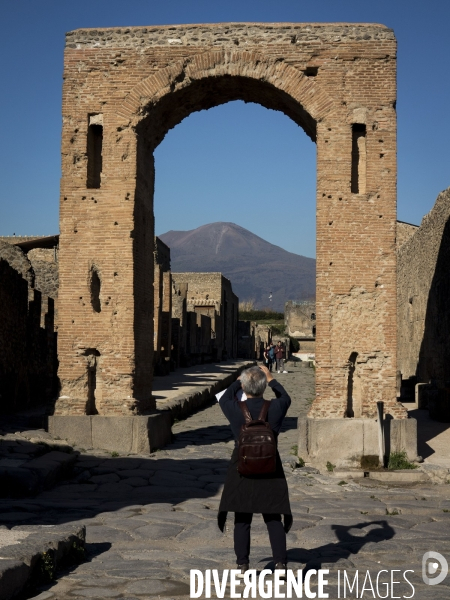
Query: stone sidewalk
{"type": "Point", "coordinates": [188, 388]}
{"type": "Point", "coordinates": [151, 519]}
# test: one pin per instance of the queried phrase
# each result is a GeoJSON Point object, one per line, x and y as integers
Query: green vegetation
{"type": "Point", "coordinates": [399, 460]}
{"type": "Point", "coordinates": [77, 553]}
{"type": "Point", "coordinates": [264, 316]}
{"type": "Point", "coordinates": [330, 467]}
{"type": "Point", "coordinates": [392, 513]}
{"type": "Point", "coordinates": [260, 315]}
{"type": "Point", "coordinates": [342, 482]}
{"type": "Point", "coordinates": [114, 454]}
{"type": "Point", "coordinates": [46, 569]}
{"type": "Point", "coordinates": [301, 462]}
{"type": "Point", "coordinates": [277, 329]}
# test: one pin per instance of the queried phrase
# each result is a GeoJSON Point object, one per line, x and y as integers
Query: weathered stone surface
{"type": "Point", "coordinates": [18, 561]}
{"type": "Point", "coordinates": [137, 434]}
{"type": "Point", "coordinates": [109, 478]}
{"type": "Point", "coordinates": [13, 574]}
{"type": "Point", "coordinates": [422, 289]}
{"type": "Point", "coordinates": [344, 441]}
{"type": "Point", "coordinates": [158, 531]}
{"type": "Point", "coordinates": [157, 534]}
{"type": "Point", "coordinates": [337, 81]}
{"type": "Point", "coordinates": [27, 349]}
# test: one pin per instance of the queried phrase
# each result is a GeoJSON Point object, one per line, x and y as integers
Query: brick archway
{"type": "Point", "coordinates": [314, 102]}
{"type": "Point", "coordinates": [336, 81]}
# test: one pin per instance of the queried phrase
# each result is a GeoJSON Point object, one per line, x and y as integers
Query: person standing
{"type": "Point", "coordinates": [265, 494]}
{"type": "Point", "coordinates": [269, 354]}
{"type": "Point", "coordinates": [279, 355]}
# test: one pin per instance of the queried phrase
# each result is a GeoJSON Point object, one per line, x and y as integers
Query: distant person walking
{"type": "Point", "coordinates": [279, 355]}
{"type": "Point", "coordinates": [269, 355]}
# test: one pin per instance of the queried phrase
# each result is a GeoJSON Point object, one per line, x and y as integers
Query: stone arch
{"type": "Point", "coordinates": [335, 81]}
{"type": "Point", "coordinates": [299, 96]}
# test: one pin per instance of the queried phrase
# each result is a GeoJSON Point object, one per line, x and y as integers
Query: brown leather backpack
{"type": "Point", "coordinates": [257, 445]}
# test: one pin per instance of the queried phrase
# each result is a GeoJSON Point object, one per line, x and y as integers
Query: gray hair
{"type": "Point", "coordinates": [253, 381]}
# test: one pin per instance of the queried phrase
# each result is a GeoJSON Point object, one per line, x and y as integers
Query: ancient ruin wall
{"type": "Point", "coordinates": [124, 88]}
{"type": "Point", "coordinates": [45, 266]}
{"type": "Point", "coordinates": [18, 261]}
{"type": "Point", "coordinates": [38, 265]}
{"type": "Point", "coordinates": [212, 295]}
{"type": "Point", "coordinates": [300, 319]}
{"type": "Point", "coordinates": [27, 342]}
{"type": "Point", "coordinates": [423, 289]}
{"type": "Point", "coordinates": [404, 232]}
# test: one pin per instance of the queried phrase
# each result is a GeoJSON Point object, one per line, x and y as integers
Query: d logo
{"type": "Point", "coordinates": [430, 567]}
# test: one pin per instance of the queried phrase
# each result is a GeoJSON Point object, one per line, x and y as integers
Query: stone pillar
{"type": "Point", "coordinates": [106, 270]}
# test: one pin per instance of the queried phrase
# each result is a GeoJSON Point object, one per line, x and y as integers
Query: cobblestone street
{"type": "Point", "coordinates": [150, 520]}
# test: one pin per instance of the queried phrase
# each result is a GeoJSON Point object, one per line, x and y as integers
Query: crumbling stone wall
{"type": "Point", "coordinates": [45, 266]}
{"type": "Point", "coordinates": [300, 319]}
{"type": "Point", "coordinates": [27, 341]}
{"type": "Point", "coordinates": [36, 257]}
{"type": "Point", "coordinates": [124, 88]}
{"type": "Point", "coordinates": [18, 261]}
{"type": "Point", "coordinates": [423, 289]}
{"type": "Point", "coordinates": [404, 232]}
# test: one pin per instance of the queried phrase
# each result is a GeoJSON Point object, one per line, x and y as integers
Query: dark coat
{"type": "Point", "coordinates": [266, 494]}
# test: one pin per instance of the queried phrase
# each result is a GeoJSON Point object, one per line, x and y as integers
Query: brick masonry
{"type": "Point", "coordinates": [124, 88]}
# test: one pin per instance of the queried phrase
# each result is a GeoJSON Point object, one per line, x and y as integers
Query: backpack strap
{"type": "Point", "coordinates": [244, 408]}
{"type": "Point", "coordinates": [264, 411]}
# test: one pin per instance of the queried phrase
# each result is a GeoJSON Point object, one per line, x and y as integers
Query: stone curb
{"type": "Point", "coordinates": [400, 476]}
{"type": "Point", "coordinates": [19, 563]}
{"type": "Point", "coordinates": [183, 405]}
{"type": "Point", "coordinates": [37, 474]}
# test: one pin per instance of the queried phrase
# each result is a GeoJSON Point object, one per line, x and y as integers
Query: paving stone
{"type": "Point", "coordinates": [136, 481]}
{"type": "Point", "coordinates": [144, 473]}
{"type": "Point", "coordinates": [98, 592]}
{"type": "Point", "coordinates": [143, 571]}
{"type": "Point", "coordinates": [13, 574]}
{"type": "Point", "coordinates": [107, 478]}
{"type": "Point", "coordinates": [125, 524]}
{"type": "Point", "coordinates": [157, 586]}
{"type": "Point", "coordinates": [144, 540]}
{"type": "Point", "coordinates": [114, 488]}
{"type": "Point", "coordinates": [158, 531]}
{"type": "Point", "coordinates": [106, 534]}
{"type": "Point", "coordinates": [102, 470]}
{"type": "Point", "coordinates": [179, 517]}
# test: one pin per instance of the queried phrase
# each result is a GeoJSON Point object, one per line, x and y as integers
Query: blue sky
{"type": "Point", "coordinates": [239, 163]}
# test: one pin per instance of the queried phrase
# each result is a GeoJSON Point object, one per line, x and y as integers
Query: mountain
{"type": "Point", "coordinates": [254, 266]}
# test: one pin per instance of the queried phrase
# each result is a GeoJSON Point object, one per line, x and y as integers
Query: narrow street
{"type": "Point", "coordinates": [150, 520]}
